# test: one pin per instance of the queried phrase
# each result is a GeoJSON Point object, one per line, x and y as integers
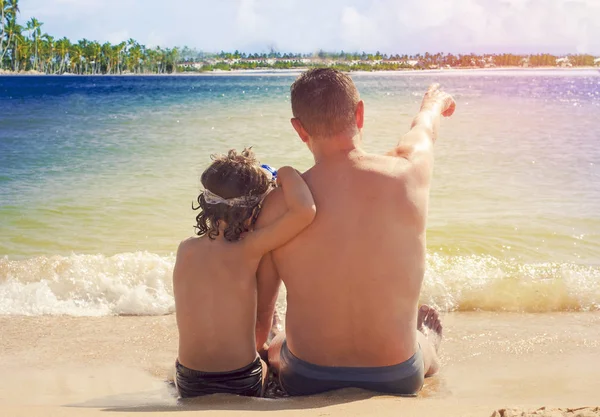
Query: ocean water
{"type": "Point", "coordinates": [98, 175]}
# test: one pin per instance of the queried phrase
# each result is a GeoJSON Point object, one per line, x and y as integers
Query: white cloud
{"type": "Point", "coordinates": [154, 39]}
{"type": "Point", "coordinates": [62, 8]}
{"type": "Point", "coordinates": [480, 25]}
{"type": "Point", "coordinates": [359, 32]}
{"type": "Point", "coordinates": [117, 37]}
{"type": "Point", "coordinates": [247, 19]}
{"type": "Point", "coordinates": [403, 26]}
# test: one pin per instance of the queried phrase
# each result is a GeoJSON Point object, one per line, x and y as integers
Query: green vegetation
{"type": "Point", "coordinates": [192, 60]}
{"type": "Point", "coordinates": [28, 48]}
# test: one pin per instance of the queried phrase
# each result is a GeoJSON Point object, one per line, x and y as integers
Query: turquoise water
{"type": "Point", "coordinates": [97, 177]}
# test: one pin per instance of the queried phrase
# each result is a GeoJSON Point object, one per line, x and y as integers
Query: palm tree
{"type": "Point", "coordinates": [154, 58]}
{"type": "Point", "coordinates": [172, 60]}
{"type": "Point", "coordinates": [13, 7]}
{"type": "Point", "coordinates": [119, 50]}
{"type": "Point", "coordinates": [22, 52]}
{"type": "Point", "coordinates": [134, 50]}
{"type": "Point", "coordinates": [94, 50]}
{"type": "Point", "coordinates": [10, 29]}
{"type": "Point", "coordinates": [12, 10]}
{"type": "Point", "coordinates": [75, 56]}
{"type": "Point", "coordinates": [110, 58]}
{"type": "Point", "coordinates": [48, 49]}
{"type": "Point", "coordinates": [3, 11]}
{"type": "Point", "coordinates": [83, 54]}
{"type": "Point", "coordinates": [62, 48]}
{"type": "Point", "coordinates": [34, 27]}
{"type": "Point", "coordinates": [13, 34]}
{"type": "Point", "coordinates": [8, 16]}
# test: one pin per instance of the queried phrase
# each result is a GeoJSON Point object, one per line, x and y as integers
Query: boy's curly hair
{"type": "Point", "coordinates": [229, 176]}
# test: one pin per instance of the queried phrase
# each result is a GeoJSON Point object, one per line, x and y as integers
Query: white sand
{"type": "Point", "coordinates": [64, 366]}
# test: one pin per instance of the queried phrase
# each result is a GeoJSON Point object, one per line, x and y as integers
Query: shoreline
{"type": "Point", "coordinates": [65, 366]}
{"type": "Point", "coordinates": [274, 71]}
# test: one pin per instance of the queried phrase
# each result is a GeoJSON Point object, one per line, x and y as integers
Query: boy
{"type": "Point", "coordinates": [214, 279]}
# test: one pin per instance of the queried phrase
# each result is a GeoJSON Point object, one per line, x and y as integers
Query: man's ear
{"type": "Point", "coordinates": [300, 130]}
{"type": "Point", "coordinates": [360, 114]}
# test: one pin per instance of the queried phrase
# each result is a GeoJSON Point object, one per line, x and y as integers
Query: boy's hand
{"type": "Point", "coordinates": [284, 172]}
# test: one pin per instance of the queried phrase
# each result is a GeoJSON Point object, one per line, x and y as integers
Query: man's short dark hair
{"type": "Point", "coordinates": [324, 100]}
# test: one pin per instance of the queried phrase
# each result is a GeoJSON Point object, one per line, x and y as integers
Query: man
{"type": "Point", "coordinates": [354, 276]}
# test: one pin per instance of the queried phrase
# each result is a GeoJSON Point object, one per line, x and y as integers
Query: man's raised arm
{"type": "Point", "coordinates": [417, 145]}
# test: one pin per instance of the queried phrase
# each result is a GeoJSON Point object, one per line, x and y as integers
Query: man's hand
{"type": "Point", "coordinates": [417, 145]}
{"type": "Point", "coordinates": [438, 101]}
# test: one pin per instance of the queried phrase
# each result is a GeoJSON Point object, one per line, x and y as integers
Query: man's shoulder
{"type": "Point", "coordinates": [396, 177]}
{"type": "Point", "coordinates": [387, 166]}
{"type": "Point", "coordinates": [388, 160]}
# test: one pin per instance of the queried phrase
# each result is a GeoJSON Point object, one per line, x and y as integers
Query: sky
{"type": "Point", "coordinates": [388, 26]}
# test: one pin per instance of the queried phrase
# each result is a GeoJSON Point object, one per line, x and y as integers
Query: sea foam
{"type": "Point", "coordinates": [137, 283]}
{"type": "Point", "coordinates": [140, 283]}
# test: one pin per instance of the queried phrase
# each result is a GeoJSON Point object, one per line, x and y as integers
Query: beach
{"type": "Point", "coordinates": [66, 366]}
{"type": "Point", "coordinates": [98, 176]}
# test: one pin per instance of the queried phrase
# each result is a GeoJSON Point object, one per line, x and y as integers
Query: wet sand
{"type": "Point", "coordinates": [67, 366]}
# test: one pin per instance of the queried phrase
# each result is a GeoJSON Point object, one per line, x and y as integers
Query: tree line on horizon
{"type": "Point", "coordinates": [28, 48]}
{"type": "Point", "coordinates": [378, 61]}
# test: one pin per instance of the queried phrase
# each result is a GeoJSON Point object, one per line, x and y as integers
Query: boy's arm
{"type": "Point", "coordinates": [300, 213]}
{"type": "Point", "coordinates": [268, 283]}
{"type": "Point", "coordinates": [267, 276]}
{"type": "Point", "coordinates": [417, 145]}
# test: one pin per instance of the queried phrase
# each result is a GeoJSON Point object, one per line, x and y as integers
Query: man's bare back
{"type": "Point", "coordinates": [354, 276]}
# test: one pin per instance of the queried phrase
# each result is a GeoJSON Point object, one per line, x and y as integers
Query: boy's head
{"type": "Point", "coordinates": [234, 186]}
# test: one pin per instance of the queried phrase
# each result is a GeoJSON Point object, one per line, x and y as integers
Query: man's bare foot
{"type": "Point", "coordinates": [428, 323]}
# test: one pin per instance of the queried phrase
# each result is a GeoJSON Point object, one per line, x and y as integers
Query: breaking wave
{"type": "Point", "coordinates": [140, 283]}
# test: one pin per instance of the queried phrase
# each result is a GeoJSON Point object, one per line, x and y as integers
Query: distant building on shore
{"type": "Point", "coordinates": [597, 62]}
{"type": "Point", "coordinates": [488, 62]}
{"type": "Point", "coordinates": [191, 65]}
{"type": "Point", "coordinates": [564, 62]}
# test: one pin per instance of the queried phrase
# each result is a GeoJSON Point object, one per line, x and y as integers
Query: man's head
{"type": "Point", "coordinates": [234, 186]}
{"type": "Point", "coordinates": [325, 103]}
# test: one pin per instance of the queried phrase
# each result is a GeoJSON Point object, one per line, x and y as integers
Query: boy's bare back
{"type": "Point", "coordinates": [214, 284]}
{"type": "Point", "coordinates": [215, 293]}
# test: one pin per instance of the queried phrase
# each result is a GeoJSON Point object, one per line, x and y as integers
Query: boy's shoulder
{"type": "Point", "coordinates": [187, 247]}
{"type": "Point", "coordinates": [188, 259]}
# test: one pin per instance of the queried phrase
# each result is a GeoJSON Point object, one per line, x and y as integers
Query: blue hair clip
{"type": "Point", "coordinates": [273, 171]}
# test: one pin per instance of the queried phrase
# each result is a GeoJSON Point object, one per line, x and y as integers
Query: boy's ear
{"type": "Point", "coordinates": [300, 129]}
